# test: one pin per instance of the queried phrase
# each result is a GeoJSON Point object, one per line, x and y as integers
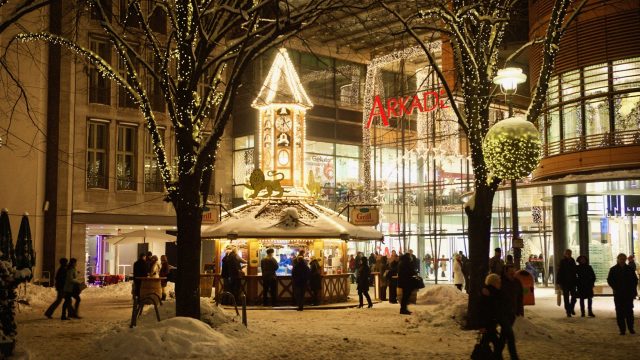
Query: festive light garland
{"type": "Point", "coordinates": [512, 148]}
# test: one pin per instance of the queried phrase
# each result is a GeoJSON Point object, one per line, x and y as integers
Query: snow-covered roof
{"type": "Point", "coordinates": [282, 85]}
{"type": "Point", "coordinates": [286, 219]}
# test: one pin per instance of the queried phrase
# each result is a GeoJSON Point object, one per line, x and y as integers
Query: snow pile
{"type": "Point", "coordinates": [175, 338]}
{"type": "Point", "coordinates": [451, 304]}
{"type": "Point", "coordinates": [36, 295]}
{"type": "Point", "coordinates": [210, 314]}
{"type": "Point", "coordinates": [525, 328]}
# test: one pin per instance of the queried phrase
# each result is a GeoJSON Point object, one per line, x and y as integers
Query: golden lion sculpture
{"type": "Point", "coordinates": [257, 183]}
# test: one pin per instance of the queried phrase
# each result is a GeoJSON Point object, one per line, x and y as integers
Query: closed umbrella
{"type": "Point", "coordinates": [6, 242]}
{"type": "Point", "coordinates": [25, 258]}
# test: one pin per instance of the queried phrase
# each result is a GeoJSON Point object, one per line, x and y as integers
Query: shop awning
{"type": "Point", "coordinates": [141, 236]}
{"type": "Point", "coordinates": [286, 219]}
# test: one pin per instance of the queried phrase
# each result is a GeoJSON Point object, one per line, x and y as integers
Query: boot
{"type": "Point", "coordinates": [591, 314]}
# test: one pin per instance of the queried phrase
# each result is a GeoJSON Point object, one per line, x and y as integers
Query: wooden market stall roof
{"type": "Point", "coordinates": [286, 219]}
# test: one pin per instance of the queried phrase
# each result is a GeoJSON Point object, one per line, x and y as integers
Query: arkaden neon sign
{"type": "Point", "coordinates": [406, 105]}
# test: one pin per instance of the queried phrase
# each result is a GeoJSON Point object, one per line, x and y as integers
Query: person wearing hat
{"type": "Point", "coordinates": [269, 266]}
{"type": "Point", "coordinates": [496, 264]}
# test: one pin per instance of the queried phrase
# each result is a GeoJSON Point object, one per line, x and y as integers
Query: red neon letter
{"type": "Point", "coordinates": [415, 104]}
{"type": "Point", "coordinates": [443, 94]}
{"type": "Point", "coordinates": [435, 100]}
{"type": "Point", "coordinates": [377, 102]}
{"type": "Point", "coordinates": [392, 104]}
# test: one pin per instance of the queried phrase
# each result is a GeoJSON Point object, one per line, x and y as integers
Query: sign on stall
{"type": "Point", "coordinates": [364, 215]}
{"type": "Point", "coordinates": [210, 216]}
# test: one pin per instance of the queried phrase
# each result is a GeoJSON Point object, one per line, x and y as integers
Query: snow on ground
{"type": "Point", "coordinates": [377, 333]}
{"type": "Point", "coordinates": [173, 338]}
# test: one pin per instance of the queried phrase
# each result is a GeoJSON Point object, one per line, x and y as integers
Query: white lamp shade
{"type": "Point", "coordinates": [509, 79]}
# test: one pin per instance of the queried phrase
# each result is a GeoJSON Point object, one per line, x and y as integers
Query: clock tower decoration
{"type": "Point", "coordinates": [282, 104]}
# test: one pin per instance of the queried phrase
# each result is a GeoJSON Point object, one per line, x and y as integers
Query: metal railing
{"type": "Point", "coordinates": [596, 141]}
{"type": "Point", "coordinates": [243, 298]}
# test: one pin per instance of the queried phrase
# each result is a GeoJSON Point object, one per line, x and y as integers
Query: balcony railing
{"type": "Point", "coordinates": [590, 142]}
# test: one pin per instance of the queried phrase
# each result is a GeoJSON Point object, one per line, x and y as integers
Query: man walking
{"type": "Point", "coordinates": [623, 281]}
{"type": "Point", "coordinates": [269, 267]}
{"type": "Point", "coordinates": [61, 276]}
{"type": "Point", "coordinates": [567, 279]}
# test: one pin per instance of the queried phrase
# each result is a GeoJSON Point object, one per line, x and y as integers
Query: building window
{"type": "Point", "coordinates": [126, 158]}
{"type": "Point", "coordinates": [243, 165]}
{"type": "Point", "coordinates": [97, 145]}
{"type": "Point", "coordinates": [107, 6]}
{"type": "Point", "coordinates": [599, 107]}
{"type": "Point", "coordinates": [158, 18]}
{"type": "Point", "coordinates": [154, 89]}
{"type": "Point", "coordinates": [99, 87]}
{"type": "Point", "coordinates": [152, 175]}
{"type": "Point", "coordinates": [128, 15]}
{"type": "Point", "coordinates": [124, 98]}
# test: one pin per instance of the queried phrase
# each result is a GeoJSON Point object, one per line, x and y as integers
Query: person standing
{"type": "Point", "coordinates": [71, 290]}
{"type": "Point", "coordinates": [315, 281]}
{"type": "Point", "coordinates": [512, 293]}
{"type": "Point", "coordinates": [269, 266]}
{"type": "Point", "coordinates": [140, 270]}
{"type": "Point", "coordinates": [165, 269]}
{"type": "Point", "coordinates": [382, 268]}
{"type": "Point", "coordinates": [443, 266]}
{"type": "Point", "coordinates": [392, 279]}
{"type": "Point", "coordinates": [300, 279]}
{"type": "Point", "coordinates": [586, 279]}
{"type": "Point", "coordinates": [623, 281]}
{"type": "Point", "coordinates": [496, 264]}
{"type": "Point", "coordinates": [149, 259]}
{"type": "Point", "coordinates": [231, 274]}
{"type": "Point", "coordinates": [427, 264]}
{"type": "Point", "coordinates": [414, 261]}
{"type": "Point", "coordinates": [458, 275]}
{"type": "Point", "coordinates": [352, 268]}
{"type": "Point", "coordinates": [566, 278]}
{"type": "Point", "coordinates": [154, 267]}
{"type": "Point", "coordinates": [406, 272]}
{"type": "Point", "coordinates": [61, 276]}
{"type": "Point", "coordinates": [364, 274]}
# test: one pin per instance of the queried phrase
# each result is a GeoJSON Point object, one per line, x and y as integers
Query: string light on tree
{"type": "Point", "coordinates": [512, 148]}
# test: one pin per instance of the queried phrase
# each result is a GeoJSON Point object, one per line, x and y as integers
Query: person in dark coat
{"type": "Point", "coordinates": [566, 278]}
{"type": "Point", "coordinates": [512, 293]}
{"type": "Point", "coordinates": [300, 279]}
{"type": "Point", "coordinates": [140, 269]}
{"type": "Point", "coordinates": [372, 260]}
{"type": "Point", "coordinates": [586, 279]}
{"type": "Point", "coordinates": [623, 281]}
{"type": "Point", "coordinates": [315, 281]}
{"type": "Point", "coordinates": [231, 270]}
{"type": "Point", "coordinates": [406, 272]}
{"type": "Point", "coordinates": [364, 274]}
{"type": "Point", "coordinates": [495, 311]}
{"type": "Point", "coordinates": [71, 290]}
{"type": "Point", "coordinates": [392, 280]}
{"type": "Point", "coordinates": [61, 276]}
{"type": "Point", "coordinates": [269, 266]}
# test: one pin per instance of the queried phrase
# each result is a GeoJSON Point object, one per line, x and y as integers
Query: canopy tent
{"type": "Point", "coordinates": [6, 241]}
{"type": "Point", "coordinates": [286, 219]}
{"type": "Point", "coordinates": [141, 236]}
{"type": "Point", "coordinates": [25, 257]}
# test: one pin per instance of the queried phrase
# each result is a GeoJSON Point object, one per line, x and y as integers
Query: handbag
{"type": "Point", "coordinates": [418, 283]}
{"type": "Point", "coordinates": [481, 351]}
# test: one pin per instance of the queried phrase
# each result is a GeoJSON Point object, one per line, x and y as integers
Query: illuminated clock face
{"type": "Point", "coordinates": [283, 124]}
{"type": "Point", "coordinates": [283, 158]}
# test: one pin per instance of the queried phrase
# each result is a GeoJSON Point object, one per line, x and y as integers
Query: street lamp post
{"type": "Point", "coordinates": [509, 79]}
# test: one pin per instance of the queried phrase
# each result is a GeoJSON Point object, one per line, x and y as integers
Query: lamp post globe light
{"type": "Point", "coordinates": [508, 79]}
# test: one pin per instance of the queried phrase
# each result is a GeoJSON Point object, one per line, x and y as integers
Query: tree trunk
{"type": "Point", "coordinates": [479, 242]}
{"type": "Point", "coordinates": [189, 219]}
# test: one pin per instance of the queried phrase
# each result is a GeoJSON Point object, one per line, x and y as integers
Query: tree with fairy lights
{"type": "Point", "coordinates": [476, 30]}
{"type": "Point", "coordinates": [208, 42]}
